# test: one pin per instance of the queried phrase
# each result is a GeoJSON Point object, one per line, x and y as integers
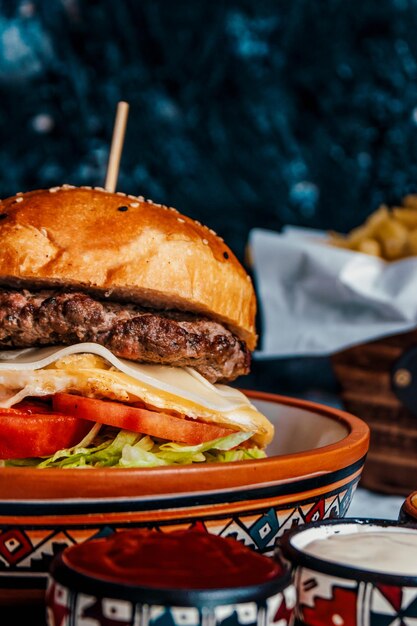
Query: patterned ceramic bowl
{"type": "Point", "coordinates": [313, 467]}
{"type": "Point", "coordinates": [184, 578]}
{"type": "Point", "coordinates": [353, 572]}
{"type": "Point", "coordinates": [408, 512]}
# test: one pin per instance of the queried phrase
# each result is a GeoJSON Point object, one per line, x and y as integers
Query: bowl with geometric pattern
{"type": "Point", "coordinates": [353, 571]}
{"type": "Point", "coordinates": [204, 579]}
{"type": "Point", "coordinates": [311, 472]}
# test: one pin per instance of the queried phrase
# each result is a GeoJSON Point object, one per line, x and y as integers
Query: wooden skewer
{"type": "Point", "coordinates": [116, 146]}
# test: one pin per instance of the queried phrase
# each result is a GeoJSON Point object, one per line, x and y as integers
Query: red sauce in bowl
{"type": "Point", "coordinates": [184, 559]}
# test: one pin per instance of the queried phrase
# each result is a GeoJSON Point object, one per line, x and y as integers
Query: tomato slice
{"type": "Point", "coordinates": [24, 433]}
{"type": "Point", "coordinates": [27, 407]}
{"type": "Point", "coordinates": [139, 420]}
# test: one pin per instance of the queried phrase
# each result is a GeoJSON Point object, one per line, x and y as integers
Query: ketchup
{"type": "Point", "coordinates": [183, 559]}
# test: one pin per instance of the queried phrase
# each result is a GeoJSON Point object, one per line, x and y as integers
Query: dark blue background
{"type": "Point", "coordinates": [243, 112]}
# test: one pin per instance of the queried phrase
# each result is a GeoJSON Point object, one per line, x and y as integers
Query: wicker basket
{"type": "Point", "coordinates": [377, 385]}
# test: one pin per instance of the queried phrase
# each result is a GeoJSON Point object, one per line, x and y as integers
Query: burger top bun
{"type": "Point", "coordinates": [126, 248]}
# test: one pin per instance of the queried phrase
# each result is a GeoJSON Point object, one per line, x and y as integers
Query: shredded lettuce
{"type": "Point", "coordinates": [123, 448]}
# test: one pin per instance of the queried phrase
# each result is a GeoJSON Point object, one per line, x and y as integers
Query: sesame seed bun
{"type": "Point", "coordinates": [124, 248]}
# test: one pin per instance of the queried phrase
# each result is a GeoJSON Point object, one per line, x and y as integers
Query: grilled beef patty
{"type": "Point", "coordinates": [164, 337]}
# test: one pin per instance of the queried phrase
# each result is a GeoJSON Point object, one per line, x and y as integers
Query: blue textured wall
{"type": "Point", "coordinates": [243, 112]}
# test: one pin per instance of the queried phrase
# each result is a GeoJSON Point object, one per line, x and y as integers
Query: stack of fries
{"type": "Point", "coordinates": [388, 233]}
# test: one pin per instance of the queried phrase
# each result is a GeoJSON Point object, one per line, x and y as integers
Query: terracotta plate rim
{"type": "Point", "coordinates": [18, 484]}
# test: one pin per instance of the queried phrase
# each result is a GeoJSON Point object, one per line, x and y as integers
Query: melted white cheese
{"type": "Point", "coordinates": [44, 371]}
{"type": "Point", "coordinates": [184, 382]}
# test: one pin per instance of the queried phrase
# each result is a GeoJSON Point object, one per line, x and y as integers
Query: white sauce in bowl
{"type": "Point", "coordinates": [388, 550]}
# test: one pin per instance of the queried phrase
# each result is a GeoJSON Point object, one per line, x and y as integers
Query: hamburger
{"type": "Point", "coordinates": [121, 320]}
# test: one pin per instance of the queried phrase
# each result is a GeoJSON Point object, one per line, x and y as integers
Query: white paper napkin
{"type": "Point", "coordinates": [316, 299]}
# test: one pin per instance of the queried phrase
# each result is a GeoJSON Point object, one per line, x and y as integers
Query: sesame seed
{"type": "Point", "coordinates": [99, 188]}
{"type": "Point", "coordinates": [86, 187]}
{"type": "Point", "coordinates": [197, 222]}
{"type": "Point", "coordinates": [226, 255]}
{"type": "Point", "coordinates": [54, 189]}
{"type": "Point", "coordinates": [120, 193]}
{"type": "Point", "coordinates": [132, 197]}
{"type": "Point", "coordinates": [19, 193]}
{"type": "Point", "coordinates": [179, 219]}
{"type": "Point", "coordinates": [205, 242]}
{"type": "Point", "coordinates": [65, 186]}
{"type": "Point", "coordinates": [122, 209]}
{"type": "Point", "coordinates": [213, 232]}
{"type": "Point", "coordinates": [19, 199]}
{"type": "Point", "coordinates": [134, 204]}
{"type": "Point", "coordinates": [43, 231]}
{"type": "Point", "coordinates": [141, 199]}
{"type": "Point", "coordinates": [149, 201]}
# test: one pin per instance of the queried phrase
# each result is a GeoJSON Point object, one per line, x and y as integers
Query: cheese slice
{"type": "Point", "coordinates": [93, 371]}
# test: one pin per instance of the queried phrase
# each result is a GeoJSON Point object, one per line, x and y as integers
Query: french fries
{"type": "Point", "coordinates": [388, 233]}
